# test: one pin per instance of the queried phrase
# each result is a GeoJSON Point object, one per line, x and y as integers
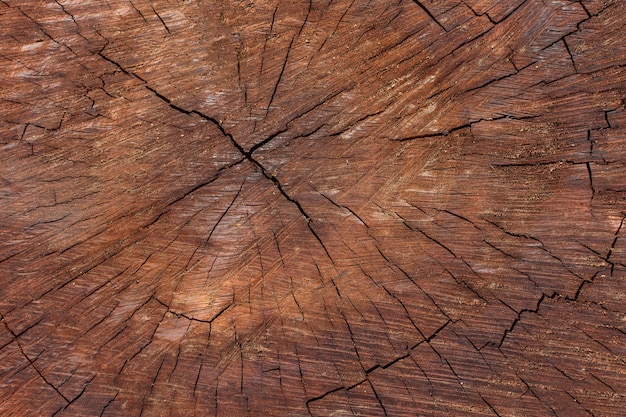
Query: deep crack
{"type": "Point", "coordinates": [246, 154]}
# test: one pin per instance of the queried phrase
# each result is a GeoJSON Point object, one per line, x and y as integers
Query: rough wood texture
{"type": "Point", "coordinates": [312, 207]}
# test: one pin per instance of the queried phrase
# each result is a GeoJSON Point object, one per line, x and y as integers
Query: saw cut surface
{"type": "Point", "coordinates": [312, 208]}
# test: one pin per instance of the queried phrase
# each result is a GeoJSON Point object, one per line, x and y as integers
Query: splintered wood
{"type": "Point", "coordinates": [312, 207]}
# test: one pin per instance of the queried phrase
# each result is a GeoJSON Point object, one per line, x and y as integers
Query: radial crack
{"type": "Point", "coordinates": [161, 19]}
{"type": "Point", "coordinates": [31, 362]}
{"type": "Point", "coordinates": [519, 316]}
{"type": "Point", "coordinates": [246, 154]}
{"type": "Point", "coordinates": [421, 6]}
{"type": "Point", "coordinates": [280, 76]}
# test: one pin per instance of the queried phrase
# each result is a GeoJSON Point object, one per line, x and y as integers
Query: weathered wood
{"type": "Point", "coordinates": [312, 208]}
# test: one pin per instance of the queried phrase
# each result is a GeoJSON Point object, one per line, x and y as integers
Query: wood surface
{"type": "Point", "coordinates": [312, 207]}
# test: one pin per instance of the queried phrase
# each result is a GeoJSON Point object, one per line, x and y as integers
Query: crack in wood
{"type": "Point", "coordinates": [369, 250]}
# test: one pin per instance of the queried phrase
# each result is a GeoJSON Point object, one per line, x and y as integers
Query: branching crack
{"type": "Point", "coordinates": [464, 126]}
{"type": "Point", "coordinates": [248, 156]}
{"type": "Point", "coordinates": [519, 316]}
{"type": "Point", "coordinates": [31, 362]}
{"type": "Point", "coordinates": [385, 366]}
{"type": "Point", "coordinates": [210, 321]}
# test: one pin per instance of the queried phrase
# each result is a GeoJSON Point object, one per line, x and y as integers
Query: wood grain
{"type": "Point", "coordinates": [266, 207]}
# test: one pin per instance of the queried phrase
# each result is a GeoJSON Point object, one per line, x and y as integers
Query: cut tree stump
{"type": "Point", "coordinates": [293, 208]}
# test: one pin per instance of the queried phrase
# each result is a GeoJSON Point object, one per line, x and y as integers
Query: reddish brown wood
{"type": "Point", "coordinates": [312, 208]}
